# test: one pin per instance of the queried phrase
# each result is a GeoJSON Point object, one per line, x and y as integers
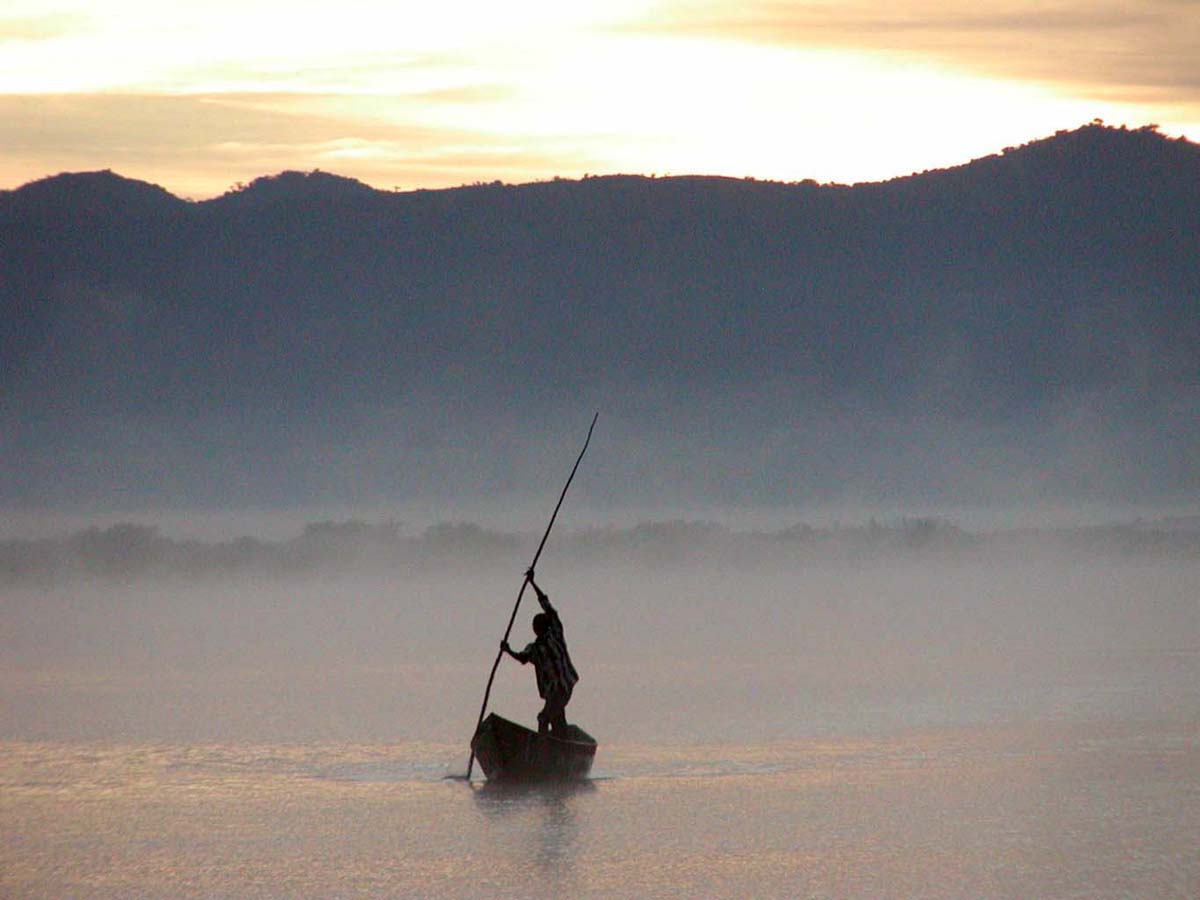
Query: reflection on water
{"type": "Point", "coordinates": [500, 798]}
{"type": "Point", "coordinates": [1003, 812]}
{"type": "Point", "coordinates": [548, 811]}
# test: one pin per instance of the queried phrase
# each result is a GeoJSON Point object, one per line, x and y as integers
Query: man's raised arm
{"type": "Point", "coordinates": [543, 597]}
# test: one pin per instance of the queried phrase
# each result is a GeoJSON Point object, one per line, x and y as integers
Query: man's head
{"type": "Point", "coordinates": [541, 623]}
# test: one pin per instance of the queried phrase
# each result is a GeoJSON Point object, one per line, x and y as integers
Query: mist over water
{"type": "Point", "coordinates": [878, 711]}
{"type": "Point", "coordinates": [680, 633]}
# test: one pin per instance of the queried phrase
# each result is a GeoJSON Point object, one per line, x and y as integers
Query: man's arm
{"type": "Point", "coordinates": [520, 656]}
{"type": "Point", "coordinates": [543, 597]}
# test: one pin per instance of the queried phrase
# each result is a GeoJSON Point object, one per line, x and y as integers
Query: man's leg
{"type": "Point", "coordinates": [558, 714]}
{"type": "Point", "coordinates": [553, 716]}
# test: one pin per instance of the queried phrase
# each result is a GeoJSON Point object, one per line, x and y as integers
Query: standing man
{"type": "Point", "coordinates": [556, 676]}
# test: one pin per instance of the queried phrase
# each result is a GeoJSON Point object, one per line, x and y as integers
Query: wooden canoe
{"type": "Point", "coordinates": [510, 752]}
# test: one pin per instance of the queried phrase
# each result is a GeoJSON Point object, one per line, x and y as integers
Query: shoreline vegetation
{"type": "Point", "coordinates": [130, 551]}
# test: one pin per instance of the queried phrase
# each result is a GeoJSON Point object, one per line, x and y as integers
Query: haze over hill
{"type": "Point", "coordinates": [1021, 327]}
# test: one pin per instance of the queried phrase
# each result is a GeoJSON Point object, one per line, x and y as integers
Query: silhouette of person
{"type": "Point", "coordinates": [556, 676]}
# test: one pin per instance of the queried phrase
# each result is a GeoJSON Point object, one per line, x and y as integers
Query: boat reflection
{"type": "Point", "coordinates": [500, 797]}
{"type": "Point", "coordinates": [549, 807]}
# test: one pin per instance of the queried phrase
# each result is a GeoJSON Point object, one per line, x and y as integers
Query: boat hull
{"type": "Point", "coordinates": [510, 752]}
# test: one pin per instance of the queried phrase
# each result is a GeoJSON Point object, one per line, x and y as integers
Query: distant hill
{"type": "Point", "coordinates": [127, 551]}
{"type": "Point", "coordinates": [1023, 325]}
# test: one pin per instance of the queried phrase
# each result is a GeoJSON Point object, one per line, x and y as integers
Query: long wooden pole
{"type": "Point", "coordinates": [513, 618]}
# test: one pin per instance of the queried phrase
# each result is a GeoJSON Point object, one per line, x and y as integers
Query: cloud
{"type": "Point", "coordinates": [453, 76]}
{"type": "Point", "coordinates": [777, 90]}
{"type": "Point", "coordinates": [1119, 50]}
{"type": "Point", "coordinates": [41, 28]}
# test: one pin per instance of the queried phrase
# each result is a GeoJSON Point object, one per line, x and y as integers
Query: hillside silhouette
{"type": "Point", "coordinates": [127, 551]}
{"type": "Point", "coordinates": [1027, 322]}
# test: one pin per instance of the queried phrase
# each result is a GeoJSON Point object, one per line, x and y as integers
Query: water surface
{"type": "Point", "coordinates": [997, 812]}
{"type": "Point", "coordinates": [970, 728]}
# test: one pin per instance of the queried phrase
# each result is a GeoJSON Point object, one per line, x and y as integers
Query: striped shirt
{"type": "Point", "coordinates": [549, 656]}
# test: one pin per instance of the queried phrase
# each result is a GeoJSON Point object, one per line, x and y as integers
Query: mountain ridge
{"type": "Point", "coordinates": [1093, 138]}
{"type": "Point", "coordinates": [1044, 297]}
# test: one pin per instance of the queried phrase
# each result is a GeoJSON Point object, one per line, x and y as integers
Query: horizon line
{"type": "Point", "coordinates": [240, 186]}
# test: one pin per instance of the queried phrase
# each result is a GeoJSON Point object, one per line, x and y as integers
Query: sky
{"type": "Point", "coordinates": [199, 96]}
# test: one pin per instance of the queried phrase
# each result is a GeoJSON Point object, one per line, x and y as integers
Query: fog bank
{"type": "Point", "coordinates": [681, 631]}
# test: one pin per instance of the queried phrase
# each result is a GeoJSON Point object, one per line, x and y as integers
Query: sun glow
{"type": "Point", "coordinates": [198, 96]}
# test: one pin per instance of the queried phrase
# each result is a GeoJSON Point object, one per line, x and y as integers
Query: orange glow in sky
{"type": "Point", "coordinates": [198, 96]}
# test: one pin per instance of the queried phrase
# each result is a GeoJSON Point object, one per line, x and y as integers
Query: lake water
{"type": "Point", "coordinates": [1053, 811]}
{"type": "Point", "coordinates": [958, 731]}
